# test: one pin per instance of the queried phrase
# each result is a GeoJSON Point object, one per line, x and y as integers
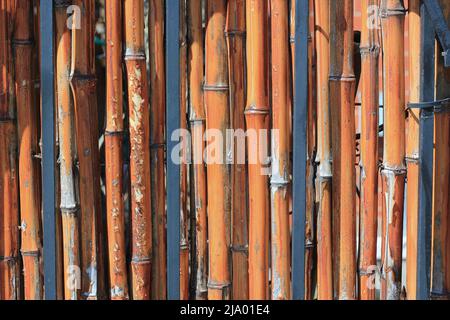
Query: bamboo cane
{"type": "Point", "coordinates": [257, 116]}
{"type": "Point", "coordinates": [28, 148]}
{"type": "Point", "coordinates": [342, 93]}
{"type": "Point", "coordinates": [236, 69]}
{"type": "Point", "coordinates": [158, 107]}
{"type": "Point", "coordinates": [412, 147]}
{"type": "Point", "coordinates": [440, 272]}
{"type": "Point", "coordinates": [9, 221]}
{"type": "Point", "coordinates": [370, 50]}
{"type": "Point", "coordinates": [280, 251]}
{"type": "Point", "coordinates": [184, 215]}
{"type": "Point", "coordinates": [140, 156]}
{"type": "Point", "coordinates": [217, 110]}
{"type": "Point", "coordinates": [83, 83]}
{"type": "Point", "coordinates": [394, 169]}
{"type": "Point", "coordinates": [68, 200]}
{"type": "Point", "coordinates": [324, 172]}
{"type": "Point", "coordinates": [113, 148]}
{"type": "Point", "coordinates": [197, 123]}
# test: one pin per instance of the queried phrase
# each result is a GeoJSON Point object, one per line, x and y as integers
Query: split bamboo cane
{"type": "Point", "coordinates": [113, 148]}
{"type": "Point", "coordinates": [140, 156]}
{"type": "Point", "coordinates": [440, 272]}
{"type": "Point", "coordinates": [236, 68]}
{"type": "Point", "coordinates": [257, 117]}
{"type": "Point", "coordinates": [310, 231]}
{"type": "Point", "coordinates": [370, 50]}
{"type": "Point", "coordinates": [184, 214]}
{"type": "Point", "coordinates": [217, 110]}
{"type": "Point", "coordinates": [28, 148]}
{"type": "Point", "coordinates": [158, 111]}
{"type": "Point", "coordinates": [342, 93]}
{"type": "Point", "coordinates": [197, 123]}
{"type": "Point", "coordinates": [280, 235]}
{"type": "Point", "coordinates": [83, 83]}
{"type": "Point", "coordinates": [9, 221]}
{"type": "Point", "coordinates": [394, 170]}
{"type": "Point", "coordinates": [323, 159]}
{"type": "Point", "coordinates": [69, 206]}
{"type": "Point", "coordinates": [412, 147]}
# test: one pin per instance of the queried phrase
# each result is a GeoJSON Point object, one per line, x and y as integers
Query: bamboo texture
{"type": "Point", "coordinates": [141, 222]}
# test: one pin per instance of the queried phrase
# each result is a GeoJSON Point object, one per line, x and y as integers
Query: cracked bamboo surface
{"type": "Point", "coordinates": [141, 222]}
{"type": "Point", "coordinates": [394, 169]}
{"type": "Point", "coordinates": [217, 119]}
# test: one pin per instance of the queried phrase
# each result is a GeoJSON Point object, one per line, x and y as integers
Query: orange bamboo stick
{"type": "Point", "coordinates": [197, 123]}
{"type": "Point", "coordinates": [217, 109]}
{"type": "Point", "coordinates": [323, 159]}
{"type": "Point", "coordinates": [257, 116]}
{"type": "Point", "coordinates": [9, 221]}
{"type": "Point", "coordinates": [342, 93]}
{"type": "Point", "coordinates": [281, 289]}
{"type": "Point", "coordinates": [28, 148]}
{"type": "Point", "coordinates": [113, 153]}
{"type": "Point", "coordinates": [158, 108]}
{"type": "Point", "coordinates": [140, 156]}
{"type": "Point", "coordinates": [440, 272]}
{"type": "Point", "coordinates": [394, 169]}
{"type": "Point", "coordinates": [236, 69]}
{"type": "Point", "coordinates": [69, 206]}
{"type": "Point", "coordinates": [370, 50]}
{"type": "Point", "coordinates": [184, 216]}
{"type": "Point", "coordinates": [412, 148]}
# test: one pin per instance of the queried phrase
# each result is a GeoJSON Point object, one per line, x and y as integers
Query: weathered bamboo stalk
{"type": "Point", "coordinates": [342, 93]}
{"type": "Point", "coordinates": [184, 214]}
{"type": "Point", "coordinates": [114, 132]}
{"type": "Point", "coordinates": [323, 159]}
{"type": "Point", "coordinates": [197, 122]}
{"type": "Point", "coordinates": [370, 50]}
{"type": "Point", "coordinates": [140, 156]}
{"type": "Point", "coordinates": [280, 235]}
{"type": "Point", "coordinates": [257, 117]}
{"type": "Point", "coordinates": [83, 83]}
{"type": "Point", "coordinates": [158, 112]}
{"type": "Point", "coordinates": [9, 221]}
{"type": "Point", "coordinates": [217, 110]}
{"type": "Point", "coordinates": [236, 69]}
{"type": "Point", "coordinates": [69, 206]}
{"type": "Point", "coordinates": [440, 272]}
{"type": "Point", "coordinates": [394, 170]}
{"type": "Point", "coordinates": [28, 148]}
{"type": "Point", "coordinates": [412, 147]}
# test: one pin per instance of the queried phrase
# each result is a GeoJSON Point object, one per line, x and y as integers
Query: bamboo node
{"type": "Point", "coordinates": [235, 33]}
{"type": "Point", "coordinates": [386, 13]}
{"type": "Point", "coordinates": [217, 87]}
{"type": "Point", "coordinates": [34, 254]}
{"type": "Point", "coordinates": [23, 42]}
{"type": "Point", "coordinates": [62, 3]}
{"type": "Point", "coordinates": [239, 249]}
{"type": "Point", "coordinates": [8, 258]}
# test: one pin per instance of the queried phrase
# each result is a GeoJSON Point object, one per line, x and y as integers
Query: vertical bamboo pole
{"type": "Point", "coordinates": [412, 147]}
{"type": "Point", "coordinates": [140, 156]}
{"type": "Point", "coordinates": [83, 83]}
{"type": "Point", "coordinates": [184, 216]}
{"type": "Point", "coordinates": [113, 153]}
{"type": "Point", "coordinates": [67, 152]}
{"type": "Point", "coordinates": [217, 109]}
{"type": "Point", "coordinates": [28, 148]}
{"type": "Point", "coordinates": [197, 123]}
{"type": "Point", "coordinates": [158, 108]}
{"type": "Point", "coordinates": [236, 69]}
{"type": "Point", "coordinates": [9, 221]}
{"type": "Point", "coordinates": [257, 116]}
{"type": "Point", "coordinates": [370, 50]}
{"type": "Point", "coordinates": [394, 170]}
{"type": "Point", "coordinates": [323, 159]}
{"type": "Point", "coordinates": [440, 272]}
{"type": "Point", "coordinates": [280, 235]}
{"type": "Point", "coordinates": [342, 93]}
